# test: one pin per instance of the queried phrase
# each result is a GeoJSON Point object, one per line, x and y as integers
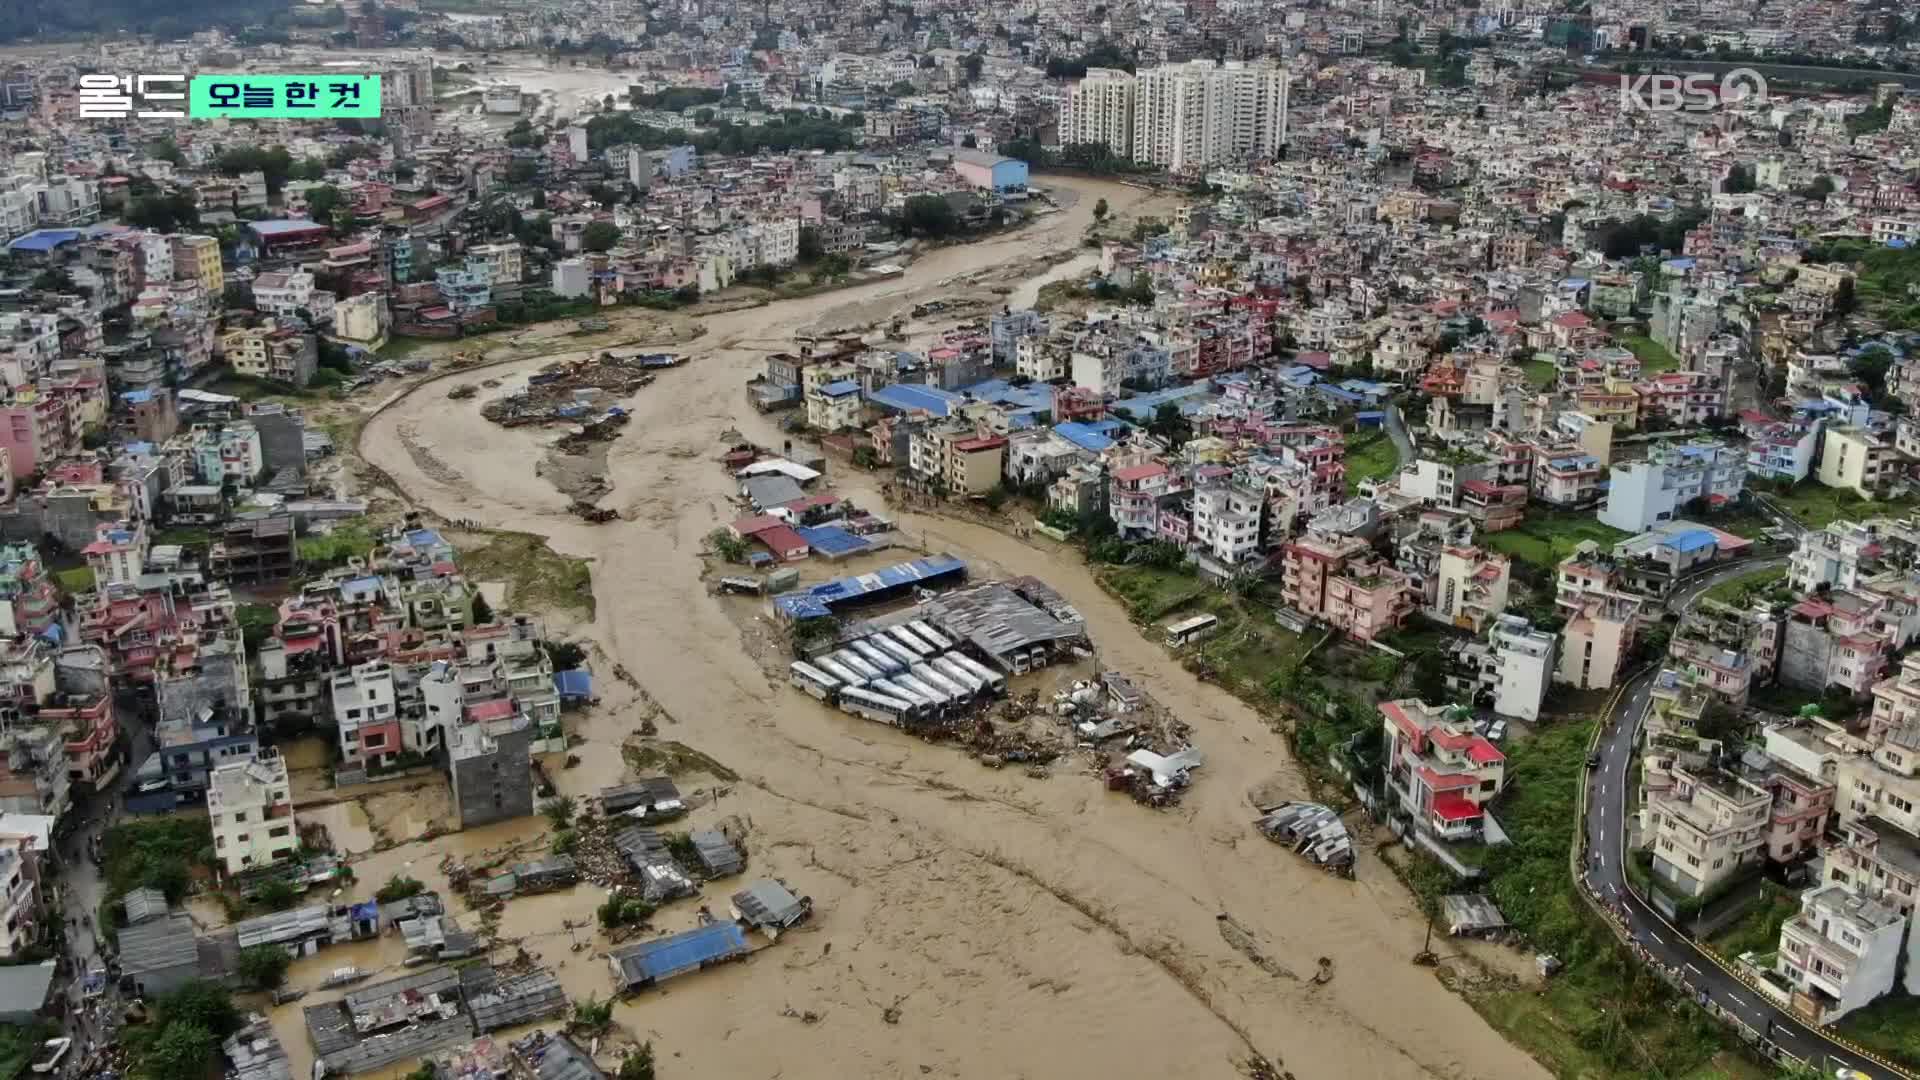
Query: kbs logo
{"type": "Point", "coordinates": [1690, 93]}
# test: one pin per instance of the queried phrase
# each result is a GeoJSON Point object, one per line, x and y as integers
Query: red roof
{"type": "Point", "coordinates": [498, 709]}
{"type": "Point", "coordinates": [1484, 753]}
{"type": "Point", "coordinates": [1138, 472]}
{"type": "Point", "coordinates": [1447, 781]}
{"type": "Point", "coordinates": [782, 541]}
{"type": "Point", "coordinates": [1448, 806]}
{"type": "Point", "coordinates": [432, 202]}
{"type": "Point", "coordinates": [986, 442]}
{"type": "Point", "coordinates": [758, 523]}
{"type": "Point", "coordinates": [1572, 320]}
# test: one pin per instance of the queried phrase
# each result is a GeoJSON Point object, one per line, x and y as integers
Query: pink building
{"type": "Point", "coordinates": [1133, 497]}
{"type": "Point", "coordinates": [1438, 771]}
{"type": "Point", "coordinates": [34, 430]}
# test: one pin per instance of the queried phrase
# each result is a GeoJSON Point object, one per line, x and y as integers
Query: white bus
{"type": "Point", "coordinates": [811, 679]}
{"type": "Point", "coordinates": [881, 660]}
{"type": "Point", "coordinates": [1187, 630]}
{"type": "Point", "coordinates": [946, 666]}
{"type": "Point", "coordinates": [853, 662]}
{"type": "Point", "coordinates": [926, 631]}
{"type": "Point", "coordinates": [932, 694]}
{"type": "Point", "coordinates": [994, 680]}
{"type": "Point", "coordinates": [933, 677]}
{"type": "Point", "coordinates": [885, 644]}
{"type": "Point", "coordinates": [906, 638]}
{"type": "Point", "coordinates": [847, 675]}
{"type": "Point", "coordinates": [879, 708]}
{"type": "Point", "coordinates": [894, 688]}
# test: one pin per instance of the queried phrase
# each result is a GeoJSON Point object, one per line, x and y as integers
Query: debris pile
{"type": "Point", "coordinates": [1137, 745]}
{"type": "Point", "coordinates": [1312, 830]}
{"type": "Point", "coordinates": [462, 392]}
{"type": "Point", "coordinates": [572, 390]}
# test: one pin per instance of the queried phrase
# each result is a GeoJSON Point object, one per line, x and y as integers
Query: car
{"type": "Point", "coordinates": [1593, 761]}
{"type": "Point", "coordinates": [1845, 1072]}
{"type": "Point", "coordinates": [148, 787]}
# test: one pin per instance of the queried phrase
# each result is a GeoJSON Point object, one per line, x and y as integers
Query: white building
{"type": "Point", "coordinates": [1841, 950]}
{"type": "Point", "coordinates": [1522, 667]}
{"type": "Point", "coordinates": [1099, 110]}
{"type": "Point", "coordinates": [1644, 493]}
{"type": "Point", "coordinates": [362, 318]}
{"type": "Point", "coordinates": [571, 278]}
{"type": "Point", "coordinates": [505, 262]}
{"type": "Point", "coordinates": [1706, 828]}
{"type": "Point", "coordinates": [282, 295]}
{"type": "Point", "coordinates": [250, 805]}
{"type": "Point", "coordinates": [363, 711]}
{"type": "Point", "coordinates": [1192, 115]}
{"type": "Point", "coordinates": [1226, 523]}
{"type": "Point", "coordinates": [577, 143]}
{"type": "Point", "coordinates": [774, 242]}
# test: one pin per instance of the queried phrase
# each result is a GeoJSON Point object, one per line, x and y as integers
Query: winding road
{"type": "Point", "coordinates": [1604, 874]}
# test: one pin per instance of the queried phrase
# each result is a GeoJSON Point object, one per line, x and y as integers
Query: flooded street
{"type": "Point", "coordinates": [1023, 927]}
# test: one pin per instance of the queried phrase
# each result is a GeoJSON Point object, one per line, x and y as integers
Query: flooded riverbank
{"type": "Point", "coordinates": [1025, 927]}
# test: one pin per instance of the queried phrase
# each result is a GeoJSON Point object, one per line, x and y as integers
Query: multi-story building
{"type": "Point", "coordinates": [1840, 952]}
{"type": "Point", "coordinates": [271, 351]}
{"type": "Point", "coordinates": [1855, 458]}
{"type": "Point", "coordinates": [1189, 116]}
{"type": "Point", "coordinates": [1468, 587]}
{"type": "Point", "coordinates": [1438, 772]}
{"type": "Point", "coordinates": [1837, 640]}
{"type": "Point", "coordinates": [1099, 111]}
{"type": "Point", "coordinates": [289, 295]}
{"type": "Point", "coordinates": [118, 553]}
{"type": "Point", "coordinates": [19, 894]}
{"type": "Point", "coordinates": [35, 430]}
{"type": "Point", "coordinates": [1708, 827]}
{"type": "Point", "coordinates": [198, 258]}
{"type": "Point", "coordinates": [1600, 631]}
{"type": "Point", "coordinates": [250, 806]}
{"type": "Point", "coordinates": [1509, 670]}
{"type": "Point", "coordinates": [1645, 493]}
{"type": "Point", "coordinates": [1844, 553]}
{"type": "Point", "coordinates": [1226, 526]}
{"type": "Point", "coordinates": [364, 714]}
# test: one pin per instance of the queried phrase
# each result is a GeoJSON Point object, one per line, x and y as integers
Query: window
{"type": "Point", "coordinates": [239, 816]}
{"type": "Point", "coordinates": [278, 831]}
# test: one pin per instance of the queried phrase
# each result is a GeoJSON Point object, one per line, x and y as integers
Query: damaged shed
{"type": "Point", "coordinates": [1312, 830]}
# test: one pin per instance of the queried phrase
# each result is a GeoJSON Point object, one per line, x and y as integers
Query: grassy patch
{"type": "Point", "coordinates": [1370, 457]}
{"type": "Point", "coordinates": [1548, 536]}
{"type": "Point", "coordinates": [1746, 587]}
{"type": "Point", "coordinates": [1890, 1026]}
{"type": "Point", "coordinates": [537, 577]}
{"type": "Point", "coordinates": [1654, 357]}
{"type": "Point", "coordinates": [1055, 294]}
{"type": "Point", "coordinates": [1817, 506]}
{"type": "Point", "coordinates": [77, 580]}
{"type": "Point", "coordinates": [1757, 931]}
{"type": "Point", "coordinates": [17, 1046]}
{"type": "Point", "coordinates": [1151, 592]}
{"type": "Point", "coordinates": [655, 758]}
{"type": "Point", "coordinates": [1540, 373]}
{"type": "Point", "coordinates": [183, 535]}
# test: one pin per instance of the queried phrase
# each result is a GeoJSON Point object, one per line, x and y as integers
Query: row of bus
{"type": "Point", "coordinates": [902, 675]}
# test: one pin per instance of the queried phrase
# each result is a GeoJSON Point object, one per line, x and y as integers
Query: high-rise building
{"type": "Point", "coordinates": [1099, 110]}
{"type": "Point", "coordinates": [1202, 113]}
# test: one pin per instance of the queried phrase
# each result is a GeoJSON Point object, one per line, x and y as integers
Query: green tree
{"type": "Point", "coordinates": [521, 170]}
{"type": "Point", "coordinates": [201, 1004]}
{"type": "Point", "coordinates": [482, 611]}
{"type": "Point", "coordinates": [322, 201]}
{"type": "Point", "coordinates": [399, 888]}
{"type": "Point", "coordinates": [180, 1052]}
{"type": "Point", "coordinates": [559, 811]}
{"type": "Point", "coordinates": [637, 1065]}
{"type": "Point", "coordinates": [277, 894]}
{"type": "Point", "coordinates": [1100, 211]}
{"type": "Point", "coordinates": [811, 248]}
{"type": "Point", "coordinates": [928, 215]}
{"type": "Point", "coordinates": [727, 546]}
{"type": "Point", "coordinates": [600, 236]}
{"type": "Point", "coordinates": [264, 966]}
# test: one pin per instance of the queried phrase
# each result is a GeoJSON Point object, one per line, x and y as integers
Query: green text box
{"type": "Point", "coordinates": [352, 96]}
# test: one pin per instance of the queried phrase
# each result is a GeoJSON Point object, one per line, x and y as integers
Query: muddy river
{"type": "Point", "coordinates": [1024, 927]}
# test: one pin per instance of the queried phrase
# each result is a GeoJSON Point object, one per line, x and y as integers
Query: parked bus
{"type": "Point", "coordinates": [938, 698]}
{"type": "Point", "coordinates": [907, 657]}
{"type": "Point", "coordinates": [908, 640]}
{"type": "Point", "coordinates": [926, 630]}
{"type": "Point", "coordinates": [933, 677]}
{"type": "Point", "coordinates": [811, 679]}
{"type": "Point", "coordinates": [1188, 630]}
{"type": "Point", "coordinates": [883, 660]}
{"type": "Point", "coordinates": [879, 708]}
{"type": "Point", "coordinates": [847, 676]}
{"type": "Point", "coordinates": [945, 665]}
{"type": "Point", "coordinates": [853, 662]}
{"type": "Point", "coordinates": [996, 681]}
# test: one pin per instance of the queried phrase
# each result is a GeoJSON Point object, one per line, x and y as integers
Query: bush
{"type": "Point", "coordinates": [591, 1016]}
{"type": "Point", "coordinates": [559, 811]}
{"type": "Point", "coordinates": [264, 966]}
{"type": "Point", "coordinates": [637, 1065]}
{"type": "Point", "coordinates": [624, 911]}
{"type": "Point", "coordinates": [399, 888]}
{"type": "Point", "coordinates": [277, 894]}
{"type": "Point", "coordinates": [564, 842]}
{"type": "Point", "coordinates": [727, 546]}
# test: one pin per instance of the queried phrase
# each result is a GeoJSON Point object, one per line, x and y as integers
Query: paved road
{"type": "Point", "coordinates": [1607, 831]}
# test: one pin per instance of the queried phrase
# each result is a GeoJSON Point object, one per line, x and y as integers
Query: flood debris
{"type": "Point", "coordinates": [568, 391]}
{"type": "Point", "coordinates": [1472, 915]}
{"type": "Point", "coordinates": [1312, 830]}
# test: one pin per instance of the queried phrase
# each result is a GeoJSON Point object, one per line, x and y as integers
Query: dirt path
{"type": "Point", "coordinates": [1036, 928]}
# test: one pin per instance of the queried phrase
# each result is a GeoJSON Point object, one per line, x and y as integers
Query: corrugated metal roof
{"type": "Point", "coordinates": [23, 989]}
{"type": "Point", "coordinates": [522, 999]}
{"type": "Point", "coordinates": [144, 904]}
{"type": "Point", "coordinates": [662, 958]}
{"type": "Point", "coordinates": [159, 945]}
{"type": "Point", "coordinates": [282, 926]}
{"type": "Point", "coordinates": [562, 1059]}
{"type": "Point", "coordinates": [717, 853]}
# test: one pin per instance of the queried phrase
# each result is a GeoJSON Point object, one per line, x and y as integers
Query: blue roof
{"type": "Point", "coordinates": [1032, 396]}
{"type": "Point", "coordinates": [820, 599]}
{"type": "Point", "coordinates": [573, 684]}
{"type": "Point", "coordinates": [44, 239]}
{"type": "Point", "coordinates": [422, 538]}
{"type": "Point", "coordinates": [907, 397]}
{"type": "Point", "coordinates": [841, 388]}
{"type": "Point", "coordinates": [1692, 540]}
{"type": "Point", "coordinates": [137, 397]}
{"type": "Point", "coordinates": [1083, 436]}
{"type": "Point", "coordinates": [1338, 394]}
{"type": "Point", "coordinates": [1369, 416]}
{"type": "Point", "coordinates": [1147, 404]}
{"type": "Point", "coordinates": [832, 540]}
{"type": "Point", "coordinates": [669, 956]}
{"type": "Point", "coordinates": [1680, 264]}
{"type": "Point", "coordinates": [276, 226]}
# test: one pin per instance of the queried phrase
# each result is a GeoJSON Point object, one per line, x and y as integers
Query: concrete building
{"type": "Point", "coordinates": [990, 172]}
{"type": "Point", "coordinates": [250, 805]}
{"type": "Point", "coordinates": [1099, 111]}
{"type": "Point", "coordinates": [277, 352]}
{"type": "Point", "coordinates": [1200, 113]}
{"type": "Point", "coordinates": [1226, 526]}
{"type": "Point", "coordinates": [1599, 632]}
{"type": "Point", "coordinates": [571, 278]}
{"type": "Point", "coordinates": [1857, 459]}
{"type": "Point", "coordinates": [363, 711]}
{"type": "Point", "coordinates": [492, 770]}
{"type": "Point", "coordinates": [834, 406]}
{"type": "Point", "coordinates": [1469, 587]}
{"type": "Point", "coordinates": [1439, 773]}
{"type": "Point", "coordinates": [1510, 669]}
{"type": "Point", "coordinates": [1840, 952]}
{"type": "Point", "coordinates": [1644, 493]}
{"type": "Point", "coordinates": [1707, 828]}
{"type": "Point", "coordinates": [198, 258]}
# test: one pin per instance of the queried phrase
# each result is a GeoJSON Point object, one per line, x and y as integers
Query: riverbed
{"type": "Point", "coordinates": [1023, 927]}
